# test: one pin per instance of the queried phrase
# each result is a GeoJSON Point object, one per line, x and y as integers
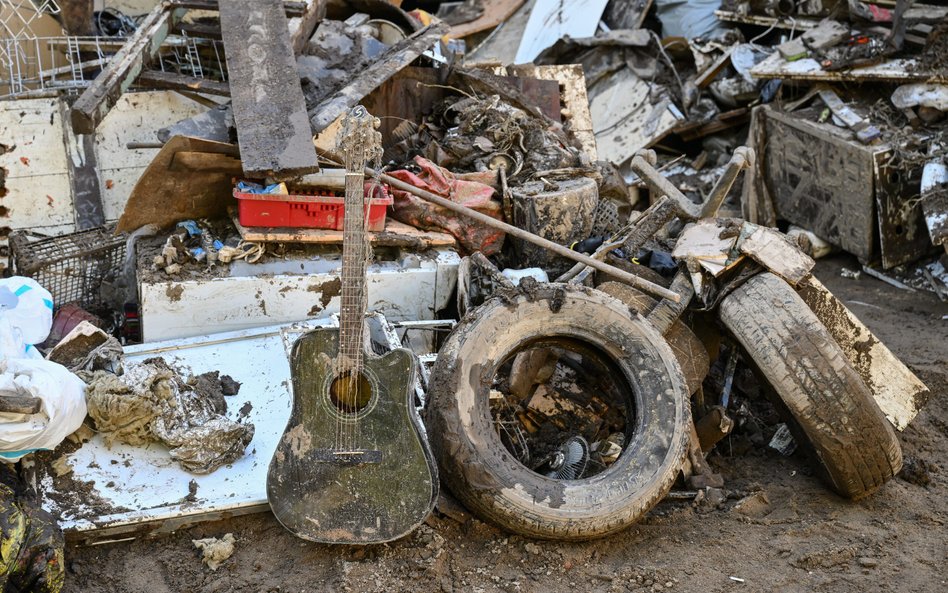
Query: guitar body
{"type": "Point", "coordinates": [351, 477]}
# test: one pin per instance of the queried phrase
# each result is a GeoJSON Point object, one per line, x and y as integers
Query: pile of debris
{"type": "Point", "coordinates": [556, 186]}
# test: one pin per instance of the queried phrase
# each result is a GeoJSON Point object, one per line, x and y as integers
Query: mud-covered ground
{"type": "Point", "coordinates": [797, 537]}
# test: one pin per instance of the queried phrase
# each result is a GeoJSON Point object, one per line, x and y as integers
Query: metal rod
{"type": "Point", "coordinates": [640, 283]}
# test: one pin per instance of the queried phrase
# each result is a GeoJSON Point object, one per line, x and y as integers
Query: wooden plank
{"type": "Point", "coordinates": [83, 175]}
{"type": "Point", "coordinates": [708, 75]}
{"type": "Point", "coordinates": [796, 23]}
{"type": "Point", "coordinates": [140, 49]}
{"type": "Point", "coordinates": [205, 30]}
{"type": "Point", "coordinates": [495, 13]}
{"type": "Point", "coordinates": [396, 234]}
{"type": "Point", "coordinates": [397, 58]}
{"type": "Point", "coordinates": [301, 26]}
{"type": "Point", "coordinates": [899, 70]}
{"type": "Point", "coordinates": [269, 110]}
{"type": "Point", "coordinates": [293, 9]}
{"type": "Point", "coordinates": [896, 389]}
{"type": "Point", "coordinates": [772, 250]}
{"type": "Point", "coordinates": [20, 404]}
{"type": "Point", "coordinates": [155, 79]}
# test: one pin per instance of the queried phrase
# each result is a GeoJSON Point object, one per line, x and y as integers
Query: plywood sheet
{"type": "Point", "coordinates": [900, 70]}
{"type": "Point", "coordinates": [624, 118]}
{"type": "Point", "coordinates": [495, 13]}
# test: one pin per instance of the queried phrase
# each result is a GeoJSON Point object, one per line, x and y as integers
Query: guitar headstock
{"type": "Point", "coordinates": [359, 140]}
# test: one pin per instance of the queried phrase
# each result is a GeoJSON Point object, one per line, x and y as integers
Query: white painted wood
{"type": "Point", "coordinates": [35, 127]}
{"type": "Point", "coordinates": [41, 203]}
{"type": "Point", "coordinates": [898, 70]}
{"type": "Point", "coordinates": [39, 194]}
{"type": "Point", "coordinates": [136, 117]}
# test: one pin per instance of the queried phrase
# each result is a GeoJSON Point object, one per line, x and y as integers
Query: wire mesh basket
{"type": "Point", "coordinates": [70, 267]}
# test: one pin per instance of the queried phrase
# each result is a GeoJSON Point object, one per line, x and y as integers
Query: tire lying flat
{"type": "Point", "coordinates": [481, 472]}
{"type": "Point", "coordinates": [833, 415]}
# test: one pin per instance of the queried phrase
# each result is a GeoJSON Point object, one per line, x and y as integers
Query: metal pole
{"type": "Point", "coordinates": [640, 283]}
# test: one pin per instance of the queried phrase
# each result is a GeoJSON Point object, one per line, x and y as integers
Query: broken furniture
{"type": "Point", "coordinates": [404, 285]}
{"type": "Point", "coordinates": [853, 195]}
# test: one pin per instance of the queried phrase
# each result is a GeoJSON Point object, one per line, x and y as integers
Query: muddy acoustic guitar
{"type": "Point", "coordinates": [352, 466]}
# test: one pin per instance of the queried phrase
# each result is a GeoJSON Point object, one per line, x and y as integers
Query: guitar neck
{"type": "Point", "coordinates": [352, 315]}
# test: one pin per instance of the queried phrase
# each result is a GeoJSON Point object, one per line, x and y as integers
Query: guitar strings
{"type": "Point", "coordinates": [360, 142]}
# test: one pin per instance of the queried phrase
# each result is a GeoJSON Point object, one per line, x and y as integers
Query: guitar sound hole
{"type": "Point", "coordinates": [350, 392]}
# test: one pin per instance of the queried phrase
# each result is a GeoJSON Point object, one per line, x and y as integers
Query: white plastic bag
{"type": "Point", "coordinates": [26, 316]}
{"type": "Point", "coordinates": [62, 412]}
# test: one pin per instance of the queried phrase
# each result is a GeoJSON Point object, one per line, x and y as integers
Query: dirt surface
{"type": "Point", "coordinates": [788, 534]}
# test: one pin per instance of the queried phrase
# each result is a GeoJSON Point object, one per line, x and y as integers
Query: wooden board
{"type": "Point", "coordinates": [140, 49]}
{"type": "Point", "coordinates": [269, 110]}
{"type": "Point", "coordinates": [397, 58]}
{"type": "Point", "coordinates": [771, 249]}
{"type": "Point", "coordinates": [164, 198]}
{"type": "Point", "coordinates": [624, 118]}
{"type": "Point", "coordinates": [797, 23]}
{"type": "Point", "coordinates": [495, 13]}
{"type": "Point", "coordinates": [895, 388]}
{"type": "Point", "coordinates": [901, 70]}
{"type": "Point", "coordinates": [396, 234]}
{"type": "Point", "coordinates": [155, 79]}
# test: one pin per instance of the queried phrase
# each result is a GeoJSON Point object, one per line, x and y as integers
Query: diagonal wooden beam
{"type": "Point", "coordinates": [141, 48]}
{"type": "Point", "coordinates": [155, 79]}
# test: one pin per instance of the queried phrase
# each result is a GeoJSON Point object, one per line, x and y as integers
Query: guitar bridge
{"type": "Point", "coordinates": [347, 457]}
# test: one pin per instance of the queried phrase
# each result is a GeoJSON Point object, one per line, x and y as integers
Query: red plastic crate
{"type": "Point", "coordinates": [308, 211]}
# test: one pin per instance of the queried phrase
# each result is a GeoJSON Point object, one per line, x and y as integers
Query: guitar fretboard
{"type": "Point", "coordinates": [352, 315]}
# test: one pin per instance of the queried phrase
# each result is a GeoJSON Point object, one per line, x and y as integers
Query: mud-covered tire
{"type": "Point", "coordinates": [833, 415]}
{"type": "Point", "coordinates": [480, 471]}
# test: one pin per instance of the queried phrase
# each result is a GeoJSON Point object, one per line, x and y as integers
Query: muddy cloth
{"type": "Point", "coordinates": [31, 543]}
{"type": "Point", "coordinates": [151, 402]}
{"type": "Point", "coordinates": [471, 235]}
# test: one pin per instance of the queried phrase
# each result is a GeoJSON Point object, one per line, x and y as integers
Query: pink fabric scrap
{"type": "Point", "coordinates": [471, 235]}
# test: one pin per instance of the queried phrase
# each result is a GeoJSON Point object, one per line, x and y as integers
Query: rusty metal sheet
{"type": "Point", "coordinates": [903, 236]}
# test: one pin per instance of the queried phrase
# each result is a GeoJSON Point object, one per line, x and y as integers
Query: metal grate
{"type": "Point", "coordinates": [70, 267]}
{"type": "Point", "coordinates": [606, 218]}
{"type": "Point", "coordinates": [41, 64]}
